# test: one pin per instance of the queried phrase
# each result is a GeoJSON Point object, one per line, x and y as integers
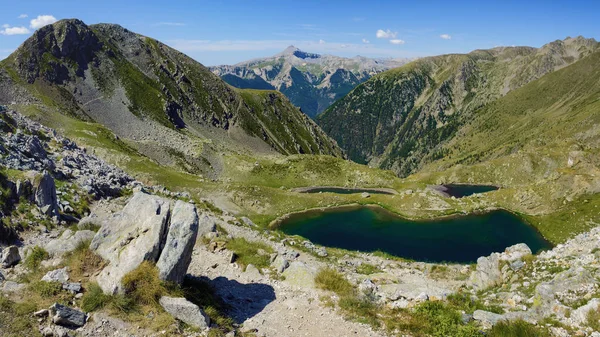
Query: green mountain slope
{"type": "Point", "coordinates": [166, 105]}
{"type": "Point", "coordinates": [403, 119]}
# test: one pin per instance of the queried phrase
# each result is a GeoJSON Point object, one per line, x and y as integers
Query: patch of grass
{"type": "Point", "coordinates": [367, 269]}
{"type": "Point", "coordinates": [440, 320]}
{"type": "Point", "coordinates": [331, 280]}
{"type": "Point", "coordinates": [35, 258]}
{"type": "Point", "coordinates": [593, 319]}
{"type": "Point", "coordinates": [46, 289]}
{"type": "Point", "coordinates": [461, 301]}
{"type": "Point", "coordinates": [518, 328]}
{"type": "Point", "coordinates": [83, 261]}
{"type": "Point", "coordinates": [249, 252]}
{"type": "Point", "coordinates": [94, 298]}
{"type": "Point", "coordinates": [16, 318]}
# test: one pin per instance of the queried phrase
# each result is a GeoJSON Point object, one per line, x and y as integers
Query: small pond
{"type": "Point", "coordinates": [463, 190]}
{"type": "Point", "coordinates": [344, 190]}
{"type": "Point", "coordinates": [459, 239]}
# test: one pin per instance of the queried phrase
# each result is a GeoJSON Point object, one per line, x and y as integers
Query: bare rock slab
{"type": "Point", "coordinates": [68, 241]}
{"type": "Point", "coordinates": [130, 237]}
{"type": "Point", "coordinates": [63, 315]}
{"type": "Point", "coordinates": [185, 311]}
{"type": "Point", "coordinates": [300, 275]}
{"type": "Point", "coordinates": [181, 238]}
{"type": "Point", "coordinates": [45, 194]}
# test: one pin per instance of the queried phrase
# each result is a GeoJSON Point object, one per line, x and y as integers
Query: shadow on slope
{"type": "Point", "coordinates": [240, 301]}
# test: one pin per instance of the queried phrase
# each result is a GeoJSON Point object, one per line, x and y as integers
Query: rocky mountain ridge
{"type": "Point", "coordinates": [164, 104]}
{"type": "Point", "coordinates": [311, 81]}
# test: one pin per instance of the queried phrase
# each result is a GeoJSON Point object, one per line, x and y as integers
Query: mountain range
{"type": "Point", "coordinates": [311, 81]}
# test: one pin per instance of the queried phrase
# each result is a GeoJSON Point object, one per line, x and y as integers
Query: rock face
{"type": "Point", "coordinates": [66, 316]}
{"type": "Point", "coordinates": [10, 257]}
{"type": "Point", "coordinates": [45, 195]}
{"type": "Point", "coordinates": [181, 237]}
{"type": "Point", "coordinates": [487, 273]}
{"type": "Point", "coordinates": [68, 241]}
{"type": "Point", "coordinates": [148, 228]}
{"type": "Point", "coordinates": [185, 311]}
{"type": "Point", "coordinates": [130, 237]}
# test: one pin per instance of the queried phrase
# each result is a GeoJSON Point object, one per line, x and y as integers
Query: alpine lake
{"type": "Point", "coordinates": [456, 239]}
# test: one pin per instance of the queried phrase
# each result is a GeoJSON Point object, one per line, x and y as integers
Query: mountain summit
{"type": "Point", "coordinates": [311, 81]}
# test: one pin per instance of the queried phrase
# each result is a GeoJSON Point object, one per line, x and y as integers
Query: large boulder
{"type": "Point", "coordinates": [185, 311]}
{"type": "Point", "coordinates": [129, 237]}
{"type": "Point", "coordinates": [487, 273]}
{"type": "Point", "coordinates": [63, 315]}
{"type": "Point", "coordinates": [45, 194]}
{"type": "Point", "coordinates": [300, 275]}
{"type": "Point", "coordinates": [181, 238]}
{"type": "Point", "coordinates": [68, 241]}
{"type": "Point", "coordinates": [10, 256]}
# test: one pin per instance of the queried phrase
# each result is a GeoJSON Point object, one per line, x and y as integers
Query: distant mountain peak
{"type": "Point", "coordinates": [290, 50]}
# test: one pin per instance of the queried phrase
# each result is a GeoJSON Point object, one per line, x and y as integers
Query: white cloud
{"type": "Point", "coordinates": [321, 41]}
{"type": "Point", "coordinates": [14, 30]}
{"type": "Point", "coordinates": [22, 16]}
{"type": "Point", "coordinates": [366, 41]}
{"type": "Point", "coordinates": [386, 34]}
{"type": "Point", "coordinates": [397, 41]}
{"type": "Point", "coordinates": [170, 24]}
{"type": "Point", "coordinates": [446, 36]}
{"type": "Point", "coordinates": [41, 21]}
{"type": "Point", "coordinates": [6, 25]}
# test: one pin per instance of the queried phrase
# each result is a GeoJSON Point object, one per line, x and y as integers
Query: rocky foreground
{"type": "Point", "coordinates": [83, 245]}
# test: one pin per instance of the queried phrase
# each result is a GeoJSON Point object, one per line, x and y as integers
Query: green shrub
{"type": "Point", "coordinates": [35, 258]}
{"type": "Point", "coordinates": [248, 252]}
{"type": "Point", "coordinates": [330, 279]}
{"type": "Point", "coordinates": [518, 328]}
{"type": "Point", "coordinates": [360, 309]}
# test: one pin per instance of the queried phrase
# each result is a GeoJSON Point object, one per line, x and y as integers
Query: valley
{"type": "Point", "coordinates": [454, 195]}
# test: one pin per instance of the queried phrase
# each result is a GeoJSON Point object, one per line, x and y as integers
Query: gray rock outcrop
{"type": "Point", "coordinates": [130, 237]}
{"type": "Point", "coordinates": [63, 315]}
{"type": "Point", "coordinates": [487, 273]}
{"type": "Point", "coordinates": [181, 238]}
{"type": "Point", "coordinates": [68, 241]}
{"type": "Point", "coordinates": [149, 228]}
{"type": "Point", "coordinates": [487, 318]}
{"type": "Point", "coordinates": [185, 311]}
{"type": "Point", "coordinates": [45, 194]}
{"type": "Point", "coordinates": [10, 256]}
{"type": "Point", "coordinates": [58, 275]}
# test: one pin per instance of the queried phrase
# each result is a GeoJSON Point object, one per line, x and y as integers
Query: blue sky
{"type": "Point", "coordinates": [226, 32]}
